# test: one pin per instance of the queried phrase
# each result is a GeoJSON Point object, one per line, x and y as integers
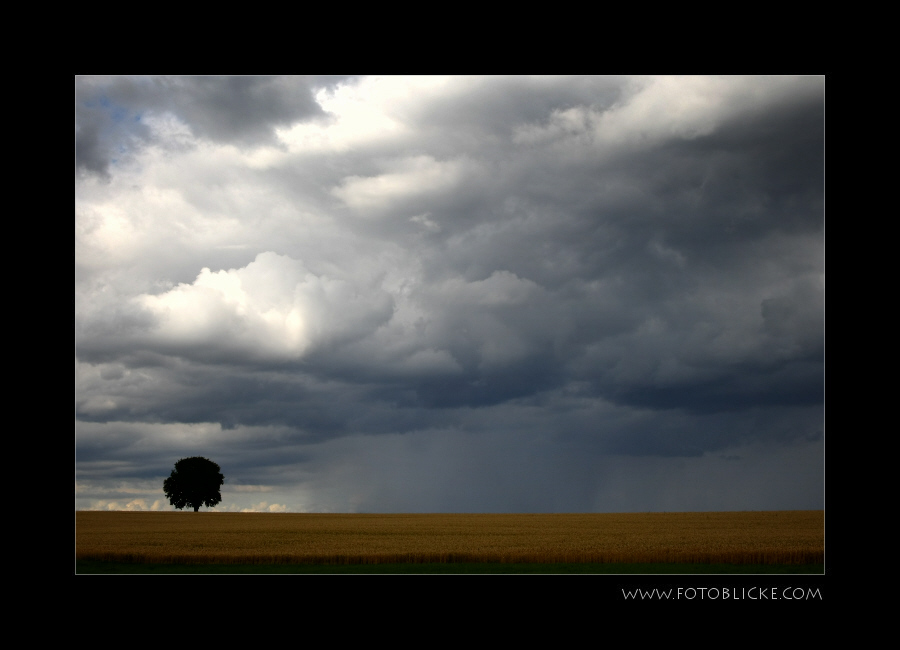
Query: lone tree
{"type": "Point", "coordinates": [194, 482]}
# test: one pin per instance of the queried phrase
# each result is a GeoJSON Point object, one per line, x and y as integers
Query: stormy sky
{"type": "Point", "coordinates": [451, 294]}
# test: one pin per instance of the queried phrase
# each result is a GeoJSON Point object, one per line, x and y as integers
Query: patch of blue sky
{"type": "Point", "coordinates": [116, 111]}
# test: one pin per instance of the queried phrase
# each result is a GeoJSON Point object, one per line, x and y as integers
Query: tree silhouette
{"type": "Point", "coordinates": [194, 482]}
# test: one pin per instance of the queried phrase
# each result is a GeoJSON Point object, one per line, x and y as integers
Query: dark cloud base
{"type": "Point", "coordinates": [514, 282]}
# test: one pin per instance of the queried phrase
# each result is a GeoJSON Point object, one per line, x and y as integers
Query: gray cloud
{"type": "Point", "coordinates": [110, 112]}
{"type": "Point", "coordinates": [509, 283]}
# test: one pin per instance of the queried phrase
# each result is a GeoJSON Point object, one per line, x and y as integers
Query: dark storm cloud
{"type": "Point", "coordinates": [534, 273]}
{"type": "Point", "coordinates": [484, 117]}
{"type": "Point", "coordinates": [238, 110]}
{"type": "Point", "coordinates": [197, 394]}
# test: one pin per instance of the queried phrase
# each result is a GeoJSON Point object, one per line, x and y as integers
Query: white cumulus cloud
{"type": "Point", "coordinates": [273, 307]}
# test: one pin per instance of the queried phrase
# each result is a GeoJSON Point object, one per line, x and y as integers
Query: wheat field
{"type": "Point", "coordinates": [783, 537]}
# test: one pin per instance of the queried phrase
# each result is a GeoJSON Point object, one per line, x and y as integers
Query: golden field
{"type": "Point", "coordinates": [785, 537]}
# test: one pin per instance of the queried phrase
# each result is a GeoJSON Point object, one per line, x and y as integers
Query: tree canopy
{"type": "Point", "coordinates": [194, 482]}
